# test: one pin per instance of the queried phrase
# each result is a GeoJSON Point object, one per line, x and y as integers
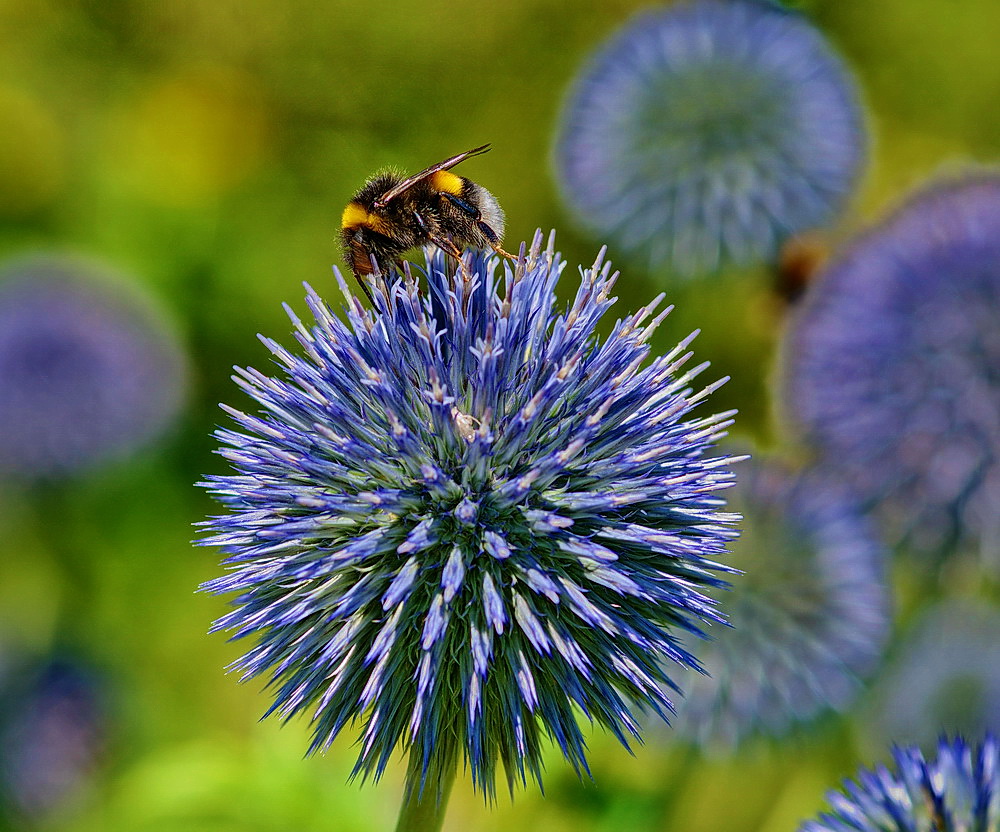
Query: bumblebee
{"type": "Point", "coordinates": [391, 215]}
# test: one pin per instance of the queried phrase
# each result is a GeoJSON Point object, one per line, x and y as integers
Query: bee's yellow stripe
{"type": "Point", "coordinates": [356, 215]}
{"type": "Point", "coordinates": [446, 181]}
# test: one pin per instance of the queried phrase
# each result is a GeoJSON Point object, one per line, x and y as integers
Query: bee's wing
{"type": "Point", "coordinates": [410, 181]}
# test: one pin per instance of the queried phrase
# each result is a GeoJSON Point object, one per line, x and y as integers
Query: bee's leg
{"type": "Point", "coordinates": [365, 289]}
{"type": "Point", "coordinates": [358, 256]}
{"type": "Point", "coordinates": [477, 217]}
{"type": "Point", "coordinates": [443, 243]}
{"type": "Point", "coordinates": [494, 240]}
{"type": "Point", "coordinates": [449, 248]}
{"type": "Point", "coordinates": [496, 247]}
{"type": "Point", "coordinates": [422, 223]}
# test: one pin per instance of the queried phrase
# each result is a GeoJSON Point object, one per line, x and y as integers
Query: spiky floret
{"type": "Point", "coordinates": [959, 791]}
{"type": "Point", "coordinates": [463, 520]}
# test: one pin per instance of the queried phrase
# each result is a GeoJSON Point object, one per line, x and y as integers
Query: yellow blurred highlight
{"type": "Point", "coordinates": [224, 782]}
{"type": "Point", "coordinates": [192, 137]}
{"type": "Point", "coordinates": [801, 799]}
{"type": "Point", "coordinates": [907, 156]}
{"type": "Point", "coordinates": [747, 800]}
{"type": "Point", "coordinates": [31, 585]}
{"type": "Point", "coordinates": [32, 154]}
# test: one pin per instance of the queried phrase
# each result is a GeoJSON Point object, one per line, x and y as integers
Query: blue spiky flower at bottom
{"type": "Point", "coordinates": [462, 520]}
{"type": "Point", "coordinates": [959, 791]}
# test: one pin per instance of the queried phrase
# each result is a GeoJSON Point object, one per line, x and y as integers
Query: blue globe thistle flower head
{"type": "Point", "coordinates": [88, 370]}
{"type": "Point", "coordinates": [956, 791]}
{"type": "Point", "coordinates": [706, 133]}
{"type": "Point", "coordinates": [945, 677]}
{"type": "Point", "coordinates": [463, 520]}
{"type": "Point", "coordinates": [891, 367]}
{"type": "Point", "coordinates": [809, 617]}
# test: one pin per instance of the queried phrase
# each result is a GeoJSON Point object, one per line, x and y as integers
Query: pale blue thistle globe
{"type": "Point", "coordinates": [956, 791]}
{"type": "Point", "coordinates": [809, 618]}
{"type": "Point", "coordinates": [893, 367]}
{"type": "Point", "coordinates": [707, 133]}
{"type": "Point", "coordinates": [944, 677]}
{"type": "Point", "coordinates": [462, 520]}
{"type": "Point", "coordinates": [89, 370]}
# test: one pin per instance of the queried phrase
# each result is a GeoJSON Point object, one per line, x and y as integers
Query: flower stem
{"type": "Point", "coordinates": [424, 812]}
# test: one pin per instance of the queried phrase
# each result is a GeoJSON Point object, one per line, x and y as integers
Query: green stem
{"type": "Point", "coordinates": [425, 812]}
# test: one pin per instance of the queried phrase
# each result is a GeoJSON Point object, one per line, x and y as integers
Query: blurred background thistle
{"type": "Point", "coordinates": [893, 368]}
{"type": "Point", "coordinates": [809, 619]}
{"type": "Point", "coordinates": [89, 371]}
{"type": "Point", "coordinates": [53, 734]}
{"type": "Point", "coordinates": [202, 153]}
{"type": "Point", "coordinates": [706, 134]}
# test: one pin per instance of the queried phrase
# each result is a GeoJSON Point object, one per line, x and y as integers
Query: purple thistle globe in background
{"type": "Point", "coordinates": [958, 791]}
{"type": "Point", "coordinates": [809, 618]}
{"type": "Point", "coordinates": [53, 730]}
{"type": "Point", "coordinates": [944, 678]}
{"type": "Point", "coordinates": [463, 520]}
{"type": "Point", "coordinates": [707, 133]}
{"type": "Point", "coordinates": [88, 370]}
{"type": "Point", "coordinates": [893, 367]}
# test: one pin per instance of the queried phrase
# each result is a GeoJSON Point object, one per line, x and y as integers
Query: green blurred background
{"type": "Point", "coordinates": [207, 150]}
